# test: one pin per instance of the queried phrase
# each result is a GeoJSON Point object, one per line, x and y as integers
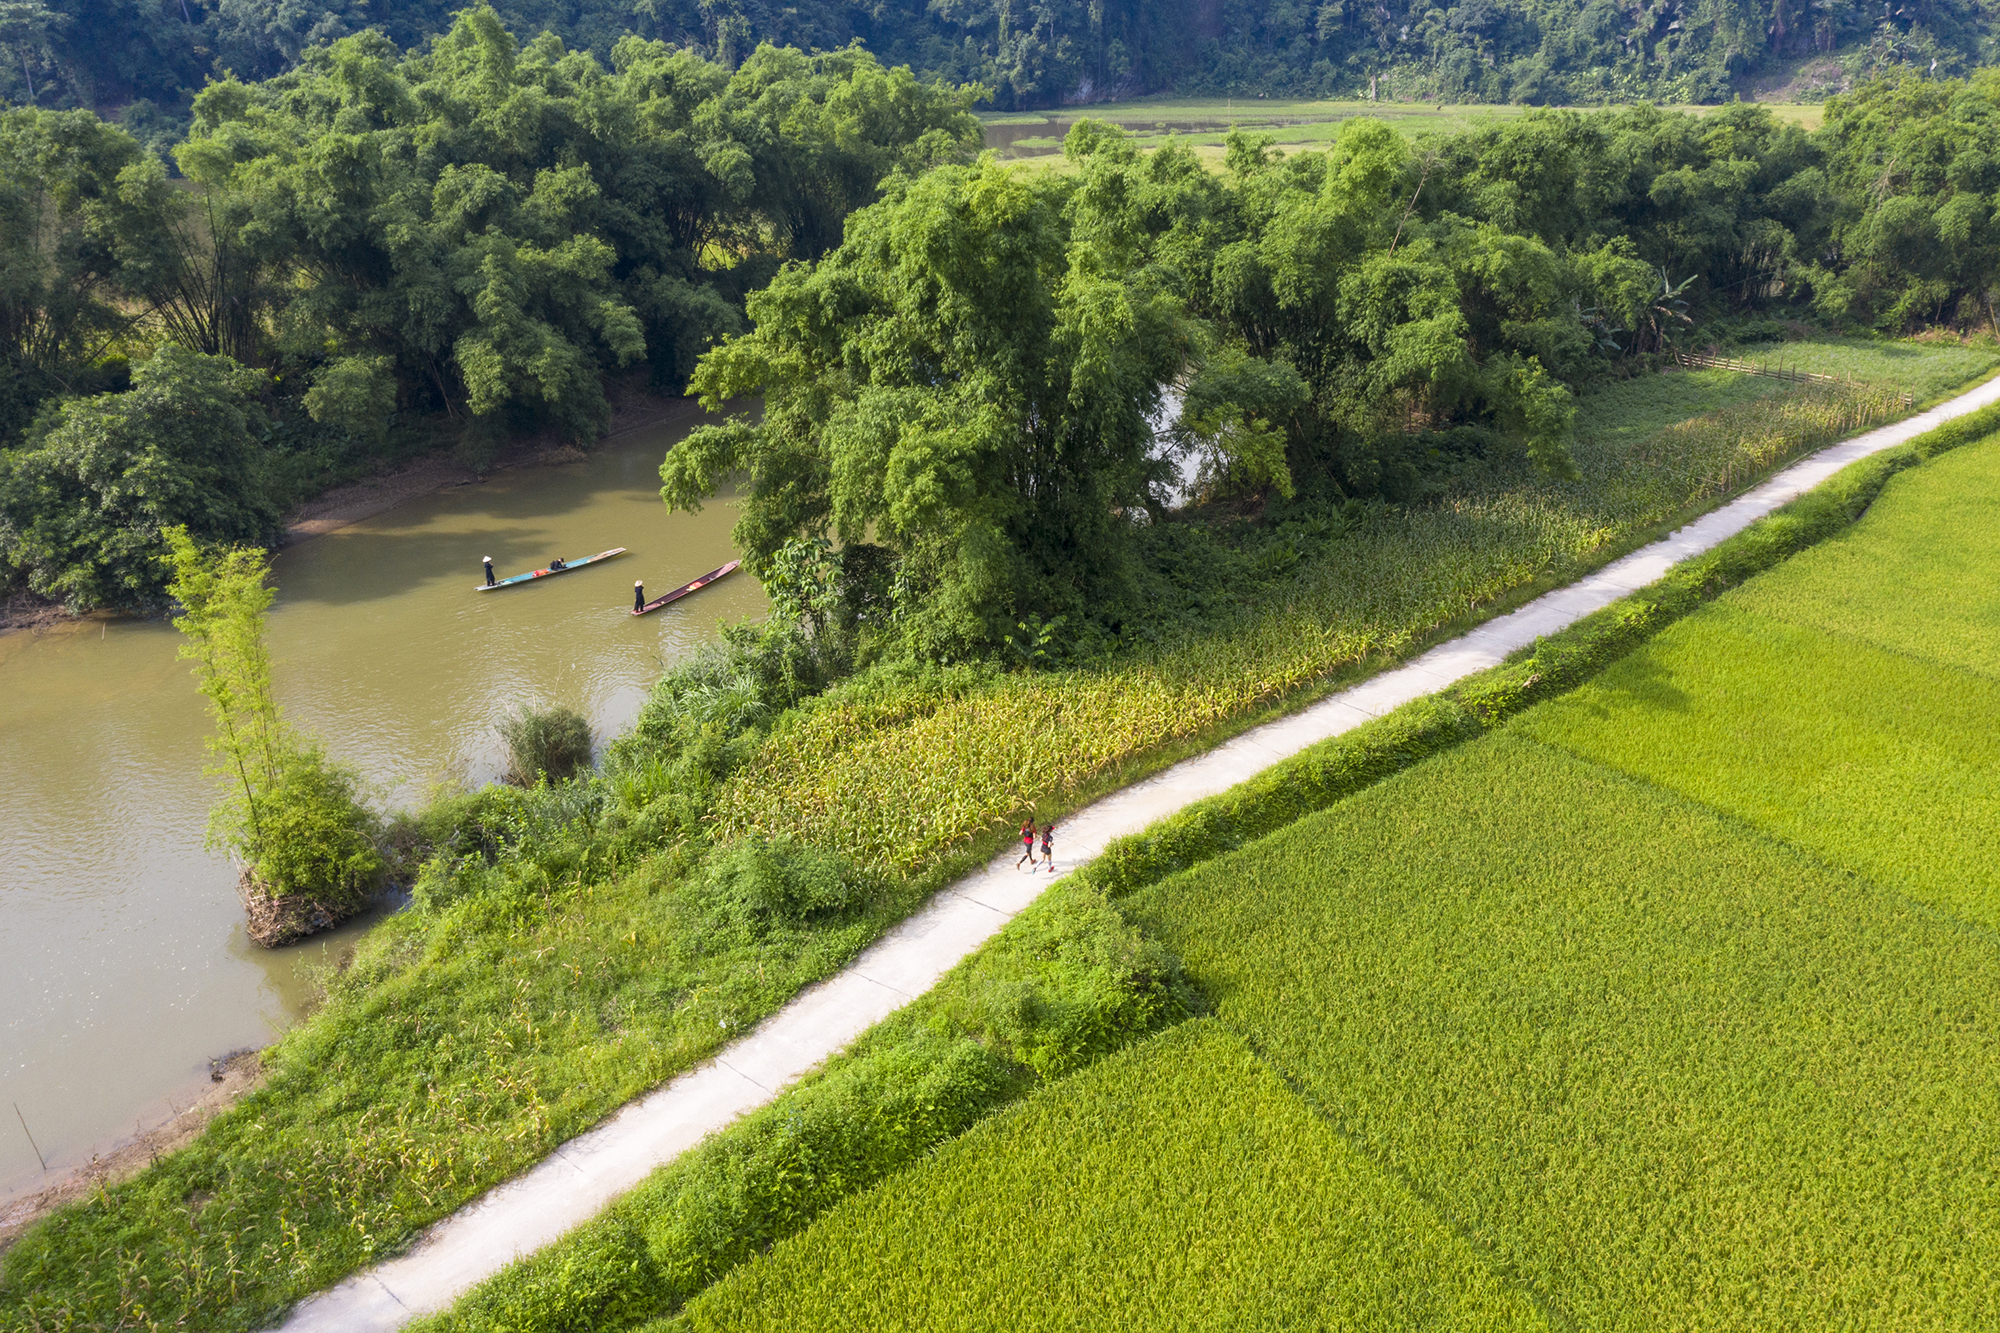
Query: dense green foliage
{"type": "Point", "coordinates": [1069, 981]}
{"type": "Point", "coordinates": [108, 52]}
{"type": "Point", "coordinates": [974, 381]}
{"type": "Point", "coordinates": [1180, 1185]}
{"type": "Point", "coordinates": [506, 223]}
{"type": "Point", "coordinates": [64, 220]}
{"type": "Point", "coordinates": [477, 234]}
{"type": "Point", "coordinates": [85, 500]}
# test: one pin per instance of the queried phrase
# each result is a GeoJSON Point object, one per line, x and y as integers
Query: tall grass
{"type": "Point", "coordinates": [1714, 454]}
{"type": "Point", "coordinates": [552, 743]}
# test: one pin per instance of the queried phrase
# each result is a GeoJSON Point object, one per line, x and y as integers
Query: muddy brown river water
{"type": "Point", "coordinates": [123, 964]}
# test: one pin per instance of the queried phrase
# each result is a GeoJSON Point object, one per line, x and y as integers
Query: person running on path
{"type": "Point", "coordinates": [1048, 848]}
{"type": "Point", "coordinates": [1027, 845]}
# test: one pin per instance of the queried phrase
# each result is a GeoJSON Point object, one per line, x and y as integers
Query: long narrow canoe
{"type": "Point", "coordinates": [545, 573]}
{"type": "Point", "coordinates": [692, 585]}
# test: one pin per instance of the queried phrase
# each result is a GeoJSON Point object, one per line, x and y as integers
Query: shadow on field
{"type": "Point", "coordinates": [1639, 679]}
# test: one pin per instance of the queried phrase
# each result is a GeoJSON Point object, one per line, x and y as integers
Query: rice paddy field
{"type": "Point", "coordinates": [1204, 122]}
{"type": "Point", "coordinates": [1156, 1222]}
{"type": "Point", "coordinates": [1669, 1005]}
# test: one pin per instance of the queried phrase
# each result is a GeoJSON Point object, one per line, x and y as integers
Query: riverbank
{"type": "Point", "coordinates": [128, 967]}
{"type": "Point", "coordinates": [632, 410]}
{"type": "Point", "coordinates": [230, 1077]}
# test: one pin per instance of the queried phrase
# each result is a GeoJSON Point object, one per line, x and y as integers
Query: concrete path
{"type": "Point", "coordinates": [582, 1176]}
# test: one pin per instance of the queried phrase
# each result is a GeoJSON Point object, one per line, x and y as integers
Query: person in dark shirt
{"type": "Point", "coordinates": [1048, 847]}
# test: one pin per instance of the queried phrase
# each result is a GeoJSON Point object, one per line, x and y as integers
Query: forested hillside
{"type": "Point", "coordinates": [147, 58]}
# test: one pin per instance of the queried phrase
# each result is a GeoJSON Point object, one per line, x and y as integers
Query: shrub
{"type": "Point", "coordinates": [782, 878]}
{"type": "Point", "coordinates": [314, 836]}
{"type": "Point", "coordinates": [552, 743]}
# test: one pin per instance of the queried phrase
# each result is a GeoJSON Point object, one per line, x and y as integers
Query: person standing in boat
{"type": "Point", "coordinates": [487, 560]}
{"type": "Point", "coordinates": [638, 597]}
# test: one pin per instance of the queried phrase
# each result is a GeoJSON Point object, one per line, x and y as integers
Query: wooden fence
{"type": "Point", "coordinates": [1704, 361]}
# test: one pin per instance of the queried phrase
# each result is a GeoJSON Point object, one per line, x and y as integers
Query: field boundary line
{"type": "Point", "coordinates": [583, 1175]}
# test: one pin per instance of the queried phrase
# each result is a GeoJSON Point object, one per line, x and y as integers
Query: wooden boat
{"type": "Point", "coordinates": [692, 585]}
{"type": "Point", "coordinates": [532, 575]}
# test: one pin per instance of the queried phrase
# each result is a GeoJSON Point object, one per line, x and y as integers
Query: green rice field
{"type": "Point", "coordinates": [1204, 122]}
{"type": "Point", "coordinates": [1671, 1005]}
{"type": "Point", "coordinates": [1222, 1201]}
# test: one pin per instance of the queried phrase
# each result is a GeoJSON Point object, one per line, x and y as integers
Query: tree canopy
{"type": "Point", "coordinates": [1000, 374]}
{"type": "Point", "coordinates": [152, 58]}
{"type": "Point", "coordinates": [479, 232]}
{"type": "Point", "coordinates": [84, 504]}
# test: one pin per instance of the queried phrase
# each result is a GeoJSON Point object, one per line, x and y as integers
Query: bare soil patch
{"type": "Point", "coordinates": [230, 1076]}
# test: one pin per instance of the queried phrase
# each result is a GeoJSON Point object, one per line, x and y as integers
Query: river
{"type": "Point", "coordinates": [126, 968]}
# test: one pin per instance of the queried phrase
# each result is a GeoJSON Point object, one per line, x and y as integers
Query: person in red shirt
{"type": "Point", "coordinates": [1027, 845]}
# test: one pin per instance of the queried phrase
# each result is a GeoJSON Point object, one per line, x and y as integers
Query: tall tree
{"type": "Point", "coordinates": [963, 382]}
{"type": "Point", "coordinates": [66, 233]}
{"type": "Point", "coordinates": [291, 817]}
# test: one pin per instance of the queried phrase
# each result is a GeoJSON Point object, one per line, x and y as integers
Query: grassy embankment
{"type": "Point", "coordinates": [1671, 999]}
{"type": "Point", "coordinates": [1204, 123]}
{"type": "Point", "coordinates": [571, 948]}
